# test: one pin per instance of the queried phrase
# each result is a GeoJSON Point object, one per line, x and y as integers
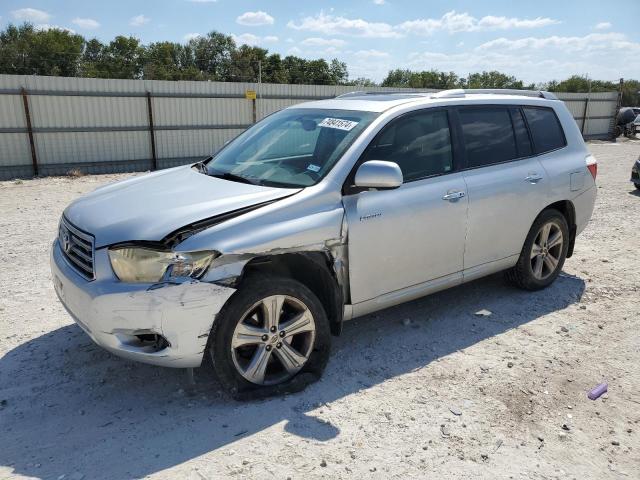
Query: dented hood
{"type": "Point", "coordinates": [152, 206]}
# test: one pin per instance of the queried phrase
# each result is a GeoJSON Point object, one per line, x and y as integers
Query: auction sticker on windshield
{"type": "Point", "coordinates": [338, 123]}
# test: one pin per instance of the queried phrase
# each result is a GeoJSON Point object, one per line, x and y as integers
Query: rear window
{"type": "Point", "coordinates": [545, 128]}
{"type": "Point", "coordinates": [488, 136]}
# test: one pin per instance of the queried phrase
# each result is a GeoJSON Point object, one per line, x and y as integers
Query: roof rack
{"type": "Point", "coordinates": [460, 92]}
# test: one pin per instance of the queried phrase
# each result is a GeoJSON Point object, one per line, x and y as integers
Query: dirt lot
{"type": "Point", "coordinates": [424, 389]}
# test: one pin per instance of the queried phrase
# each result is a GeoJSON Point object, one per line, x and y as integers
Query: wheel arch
{"type": "Point", "coordinates": [568, 210]}
{"type": "Point", "coordinates": [312, 269]}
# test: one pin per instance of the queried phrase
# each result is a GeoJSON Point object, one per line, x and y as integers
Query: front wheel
{"type": "Point", "coordinates": [543, 253]}
{"type": "Point", "coordinates": [271, 337]}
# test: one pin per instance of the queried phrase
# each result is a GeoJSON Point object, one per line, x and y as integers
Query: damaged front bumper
{"type": "Point", "coordinates": [164, 324]}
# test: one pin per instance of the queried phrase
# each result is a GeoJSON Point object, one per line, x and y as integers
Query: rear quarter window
{"type": "Point", "coordinates": [545, 128]}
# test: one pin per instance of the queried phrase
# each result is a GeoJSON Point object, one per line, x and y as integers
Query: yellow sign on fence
{"type": "Point", "coordinates": [250, 94]}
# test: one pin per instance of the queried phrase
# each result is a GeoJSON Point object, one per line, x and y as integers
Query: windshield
{"type": "Point", "coordinates": [291, 148]}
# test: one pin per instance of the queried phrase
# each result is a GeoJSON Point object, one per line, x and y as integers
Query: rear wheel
{"type": "Point", "coordinates": [271, 337]}
{"type": "Point", "coordinates": [543, 253]}
{"type": "Point", "coordinates": [637, 185]}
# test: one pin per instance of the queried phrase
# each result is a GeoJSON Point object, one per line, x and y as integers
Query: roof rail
{"type": "Point", "coordinates": [459, 92]}
{"type": "Point", "coordinates": [360, 93]}
{"type": "Point", "coordinates": [351, 94]}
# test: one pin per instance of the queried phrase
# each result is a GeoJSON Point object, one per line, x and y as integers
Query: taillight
{"type": "Point", "coordinates": [592, 165]}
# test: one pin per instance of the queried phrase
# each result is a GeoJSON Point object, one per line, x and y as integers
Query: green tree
{"type": "Point", "coordinates": [123, 58]}
{"type": "Point", "coordinates": [170, 61]}
{"type": "Point", "coordinates": [273, 70]}
{"type": "Point", "coordinates": [361, 82]}
{"type": "Point", "coordinates": [631, 93]}
{"type": "Point", "coordinates": [27, 51]}
{"type": "Point", "coordinates": [246, 62]}
{"type": "Point", "coordinates": [93, 59]}
{"type": "Point", "coordinates": [212, 55]}
{"type": "Point", "coordinates": [295, 68]}
{"type": "Point", "coordinates": [580, 83]}
{"type": "Point", "coordinates": [338, 71]}
{"type": "Point", "coordinates": [494, 79]}
{"type": "Point", "coordinates": [398, 78]}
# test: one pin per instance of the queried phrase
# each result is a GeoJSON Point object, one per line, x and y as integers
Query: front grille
{"type": "Point", "coordinates": [77, 247]}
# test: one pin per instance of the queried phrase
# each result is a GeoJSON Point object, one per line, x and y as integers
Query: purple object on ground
{"type": "Point", "coordinates": [597, 391]}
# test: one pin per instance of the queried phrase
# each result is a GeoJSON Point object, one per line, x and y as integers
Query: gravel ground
{"type": "Point", "coordinates": [425, 388]}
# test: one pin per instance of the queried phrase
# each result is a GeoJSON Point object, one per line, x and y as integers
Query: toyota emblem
{"type": "Point", "coordinates": [66, 240]}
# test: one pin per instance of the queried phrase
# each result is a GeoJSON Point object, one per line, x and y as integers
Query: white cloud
{"type": "Point", "coordinates": [379, 2]}
{"type": "Point", "coordinates": [253, 40]}
{"type": "Point", "coordinates": [490, 22]}
{"type": "Point", "coordinates": [202, 1]}
{"type": "Point", "coordinates": [451, 22]}
{"type": "Point", "coordinates": [588, 43]}
{"type": "Point", "coordinates": [139, 20]}
{"type": "Point", "coordinates": [368, 54]}
{"type": "Point", "coordinates": [454, 22]}
{"type": "Point", "coordinates": [191, 36]}
{"type": "Point", "coordinates": [254, 19]}
{"type": "Point", "coordinates": [323, 42]}
{"type": "Point", "coordinates": [331, 25]}
{"type": "Point", "coordinates": [86, 23]}
{"type": "Point", "coordinates": [603, 26]}
{"type": "Point", "coordinates": [540, 59]}
{"type": "Point", "coordinates": [31, 15]}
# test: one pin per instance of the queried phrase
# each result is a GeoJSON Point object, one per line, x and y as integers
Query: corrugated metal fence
{"type": "Point", "coordinates": [51, 125]}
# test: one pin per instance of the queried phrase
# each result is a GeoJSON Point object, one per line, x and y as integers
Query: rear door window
{"type": "Point", "coordinates": [488, 135]}
{"type": "Point", "coordinates": [545, 128]}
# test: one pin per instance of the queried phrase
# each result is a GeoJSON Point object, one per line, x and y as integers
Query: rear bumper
{"type": "Point", "coordinates": [114, 313]}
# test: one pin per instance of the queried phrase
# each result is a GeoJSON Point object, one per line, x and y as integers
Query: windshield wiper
{"type": "Point", "coordinates": [234, 178]}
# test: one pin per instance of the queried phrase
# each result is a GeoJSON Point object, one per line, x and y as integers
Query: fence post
{"type": "Point", "coordinates": [154, 160]}
{"type": "Point", "coordinates": [253, 102]}
{"type": "Point", "coordinates": [614, 123]}
{"type": "Point", "coordinates": [584, 115]}
{"type": "Point", "coordinates": [27, 114]}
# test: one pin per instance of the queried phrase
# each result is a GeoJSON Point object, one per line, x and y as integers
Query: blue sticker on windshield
{"type": "Point", "coordinates": [313, 168]}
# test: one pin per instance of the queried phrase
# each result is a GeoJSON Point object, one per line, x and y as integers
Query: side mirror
{"type": "Point", "coordinates": [378, 174]}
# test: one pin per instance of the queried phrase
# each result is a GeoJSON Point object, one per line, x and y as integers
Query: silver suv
{"type": "Point", "coordinates": [318, 214]}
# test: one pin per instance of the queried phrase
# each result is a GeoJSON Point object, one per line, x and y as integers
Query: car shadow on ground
{"type": "Point", "coordinates": [72, 408]}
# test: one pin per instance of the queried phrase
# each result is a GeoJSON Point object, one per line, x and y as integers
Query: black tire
{"type": "Point", "coordinates": [252, 290]}
{"type": "Point", "coordinates": [522, 275]}
{"type": "Point", "coordinates": [637, 185]}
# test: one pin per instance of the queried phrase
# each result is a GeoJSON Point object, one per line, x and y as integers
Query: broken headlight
{"type": "Point", "coordinates": [145, 265]}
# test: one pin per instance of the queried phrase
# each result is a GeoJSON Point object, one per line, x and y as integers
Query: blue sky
{"type": "Point", "coordinates": [535, 41]}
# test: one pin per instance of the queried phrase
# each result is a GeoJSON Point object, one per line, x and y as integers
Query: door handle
{"type": "Point", "coordinates": [453, 196]}
{"type": "Point", "coordinates": [533, 178]}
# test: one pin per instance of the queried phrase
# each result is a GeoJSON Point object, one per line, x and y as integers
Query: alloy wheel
{"type": "Point", "coordinates": [273, 340]}
{"type": "Point", "coordinates": [546, 250]}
